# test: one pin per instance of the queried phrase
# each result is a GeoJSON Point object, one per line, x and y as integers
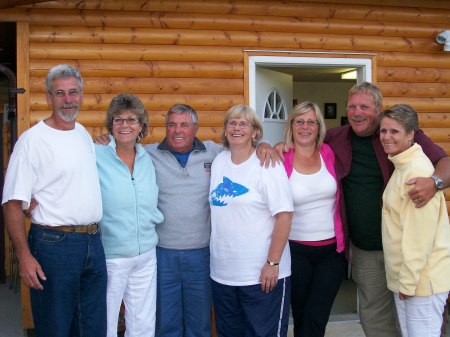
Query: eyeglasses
{"type": "Point", "coordinates": [301, 122]}
{"type": "Point", "coordinates": [62, 93]}
{"type": "Point", "coordinates": [242, 124]}
{"type": "Point", "coordinates": [129, 120]}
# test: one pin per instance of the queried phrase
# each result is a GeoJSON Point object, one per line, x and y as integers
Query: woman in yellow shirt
{"type": "Point", "coordinates": [416, 241]}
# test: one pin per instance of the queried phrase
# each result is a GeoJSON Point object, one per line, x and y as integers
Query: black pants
{"type": "Point", "coordinates": [317, 273]}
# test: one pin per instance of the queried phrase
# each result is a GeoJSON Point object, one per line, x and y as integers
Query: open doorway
{"type": "Point", "coordinates": [275, 83]}
{"type": "Point", "coordinates": [7, 60]}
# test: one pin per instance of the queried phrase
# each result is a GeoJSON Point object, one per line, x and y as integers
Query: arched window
{"type": "Point", "coordinates": [275, 106]}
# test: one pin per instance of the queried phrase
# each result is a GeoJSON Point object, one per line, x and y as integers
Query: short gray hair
{"type": "Point", "coordinates": [62, 71]}
{"type": "Point", "coordinates": [182, 109]}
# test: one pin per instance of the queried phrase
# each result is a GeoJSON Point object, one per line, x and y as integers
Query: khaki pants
{"type": "Point", "coordinates": [376, 302]}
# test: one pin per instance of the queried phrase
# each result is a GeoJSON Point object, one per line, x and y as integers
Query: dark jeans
{"type": "Point", "coordinates": [317, 273]}
{"type": "Point", "coordinates": [73, 302]}
{"type": "Point", "coordinates": [247, 311]}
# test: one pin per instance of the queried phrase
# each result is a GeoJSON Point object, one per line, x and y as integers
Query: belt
{"type": "Point", "coordinates": [88, 229]}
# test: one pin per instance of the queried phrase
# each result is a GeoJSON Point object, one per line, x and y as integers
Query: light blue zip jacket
{"type": "Point", "coordinates": [130, 212]}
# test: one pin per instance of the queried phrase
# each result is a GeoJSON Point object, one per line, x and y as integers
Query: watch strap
{"type": "Point", "coordinates": [272, 263]}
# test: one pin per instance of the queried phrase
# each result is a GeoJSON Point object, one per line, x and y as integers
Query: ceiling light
{"type": "Point", "coordinates": [351, 75]}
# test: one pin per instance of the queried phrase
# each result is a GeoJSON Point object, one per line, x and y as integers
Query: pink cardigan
{"type": "Point", "coordinates": [328, 157]}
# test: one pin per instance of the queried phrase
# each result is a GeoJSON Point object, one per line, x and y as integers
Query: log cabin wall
{"type": "Point", "coordinates": [192, 51]}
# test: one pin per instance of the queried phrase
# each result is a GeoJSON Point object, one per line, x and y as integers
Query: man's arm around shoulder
{"type": "Point", "coordinates": [424, 187]}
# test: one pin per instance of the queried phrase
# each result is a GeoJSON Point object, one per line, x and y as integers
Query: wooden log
{"type": "Point", "coordinates": [434, 120]}
{"type": "Point", "coordinates": [115, 85]}
{"type": "Point", "coordinates": [420, 104]}
{"type": "Point", "coordinates": [14, 15]}
{"type": "Point", "coordinates": [408, 75]}
{"type": "Point", "coordinates": [23, 78]}
{"type": "Point", "coordinates": [438, 135]}
{"type": "Point", "coordinates": [229, 22]}
{"type": "Point", "coordinates": [398, 3]}
{"type": "Point", "coordinates": [145, 69]}
{"type": "Point", "coordinates": [273, 8]}
{"type": "Point", "coordinates": [142, 40]}
{"type": "Point", "coordinates": [156, 102]}
{"type": "Point", "coordinates": [413, 60]}
{"type": "Point", "coordinates": [96, 118]}
{"type": "Point", "coordinates": [404, 89]}
{"type": "Point", "coordinates": [13, 3]}
{"type": "Point", "coordinates": [134, 52]}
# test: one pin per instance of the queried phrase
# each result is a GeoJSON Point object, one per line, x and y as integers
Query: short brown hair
{"type": "Point", "coordinates": [129, 102]}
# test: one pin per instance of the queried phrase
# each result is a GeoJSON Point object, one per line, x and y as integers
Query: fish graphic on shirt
{"type": "Point", "coordinates": [225, 191]}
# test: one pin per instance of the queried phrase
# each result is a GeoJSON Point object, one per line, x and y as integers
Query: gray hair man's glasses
{"type": "Point", "coordinates": [62, 93]}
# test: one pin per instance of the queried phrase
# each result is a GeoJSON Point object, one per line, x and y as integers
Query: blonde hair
{"type": "Point", "coordinates": [247, 113]}
{"type": "Point", "coordinates": [298, 110]}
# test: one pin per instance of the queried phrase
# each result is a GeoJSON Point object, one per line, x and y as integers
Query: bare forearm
{"type": "Point", "coordinates": [280, 235]}
{"type": "Point", "coordinates": [15, 224]}
{"type": "Point", "coordinates": [31, 272]}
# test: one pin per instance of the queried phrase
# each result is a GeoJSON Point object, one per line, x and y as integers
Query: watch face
{"type": "Point", "coordinates": [438, 182]}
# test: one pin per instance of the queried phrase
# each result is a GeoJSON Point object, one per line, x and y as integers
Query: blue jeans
{"type": "Point", "coordinates": [184, 299]}
{"type": "Point", "coordinates": [247, 311]}
{"type": "Point", "coordinates": [73, 302]}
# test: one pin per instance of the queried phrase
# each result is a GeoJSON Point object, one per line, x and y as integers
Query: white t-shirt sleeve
{"type": "Point", "coordinates": [275, 189]}
{"type": "Point", "coordinates": [20, 175]}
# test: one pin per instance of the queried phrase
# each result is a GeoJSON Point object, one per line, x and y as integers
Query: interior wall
{"type": "Point", "coordinates": [322, 93]}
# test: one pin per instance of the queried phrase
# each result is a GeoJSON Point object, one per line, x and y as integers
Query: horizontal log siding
{"type": "Point", "coordinates": [191, 51]}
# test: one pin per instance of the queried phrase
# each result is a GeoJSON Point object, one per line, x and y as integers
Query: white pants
{"type": "Point", "coordinates": [133, 280]}
{"type": "Point", "coordinates": [421, 316]}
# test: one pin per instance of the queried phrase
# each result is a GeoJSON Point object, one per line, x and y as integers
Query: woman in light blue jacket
{"type": "Point", "coordinates": [130, 214]}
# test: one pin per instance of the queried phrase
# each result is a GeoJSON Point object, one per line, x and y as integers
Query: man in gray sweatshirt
{"type": "Point", "coordinates": [183, 167]}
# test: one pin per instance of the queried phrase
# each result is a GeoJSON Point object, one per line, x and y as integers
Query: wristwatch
{"type": "Point", "coordinates": [272, 263]}
{"type": "Point", "coordinates": [438, 182]}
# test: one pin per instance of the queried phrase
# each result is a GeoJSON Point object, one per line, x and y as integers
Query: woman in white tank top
{"type": "Point", "coordinates": [316, 239]}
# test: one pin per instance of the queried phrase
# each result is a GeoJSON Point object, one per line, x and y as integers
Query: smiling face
{"type": "Point", "coordinates": [180, 132]}
{"type": "Point", "coordinates": [65, 97]}
{"type": "Point", "coordinates": [305, 129]}
{"type": "Point", "coordinates": [363, 114]}
{"type": "Point", "coordinates": [394, 137]}
{"type": "Point", "coordinates": [239, 132]}
{"type": "Point", "coordinates": [126, 133]}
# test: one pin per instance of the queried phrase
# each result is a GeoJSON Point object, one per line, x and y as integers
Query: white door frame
{"type": "Point", "coordinates": [363, 65]}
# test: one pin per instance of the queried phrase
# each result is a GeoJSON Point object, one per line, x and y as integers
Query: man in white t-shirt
{"type": "Point", "coordinates": [63, 261]}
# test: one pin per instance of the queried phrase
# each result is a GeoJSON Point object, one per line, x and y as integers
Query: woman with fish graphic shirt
{"type": "Point", "coordinates": [251, 212]}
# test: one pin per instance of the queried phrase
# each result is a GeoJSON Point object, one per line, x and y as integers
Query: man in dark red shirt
{"type": "Point", "coordinates": [364, 170]}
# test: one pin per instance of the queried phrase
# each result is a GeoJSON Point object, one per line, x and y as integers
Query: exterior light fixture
{"type": "Point", "coordinates": [444, 38]}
